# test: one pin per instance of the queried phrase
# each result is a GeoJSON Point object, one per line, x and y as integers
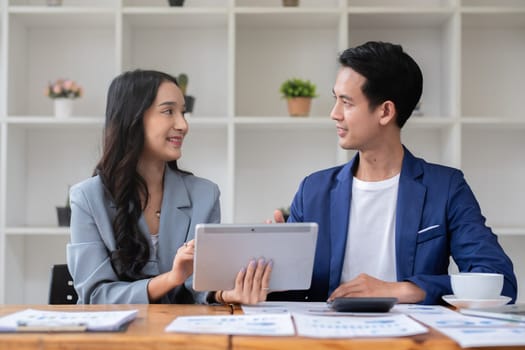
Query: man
{"type": "Point", "coordinates": [388, 221]}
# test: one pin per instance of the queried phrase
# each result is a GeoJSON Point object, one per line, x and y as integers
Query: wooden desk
{"type": "Point", "coordinates": [147, 332]}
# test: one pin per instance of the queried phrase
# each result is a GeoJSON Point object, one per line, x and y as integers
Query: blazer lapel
{"type": "Point", "coordinates": [174, 221]}
{"type": "Point", "coordinates": [410, 202]}
{"type": "Point", "coordinates": [340, 198]}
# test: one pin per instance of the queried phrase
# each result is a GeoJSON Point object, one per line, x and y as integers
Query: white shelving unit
{"type": "Point", "coordinates": [237, 53]}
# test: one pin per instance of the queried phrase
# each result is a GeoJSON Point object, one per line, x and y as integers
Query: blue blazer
{"type": "Point", "coordinates": [429, 195]}
{"type": "Point", "coordinates": [187, 201]}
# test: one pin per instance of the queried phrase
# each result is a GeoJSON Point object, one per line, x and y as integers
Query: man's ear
{"type": "Point", "coordinates": [388, 113]}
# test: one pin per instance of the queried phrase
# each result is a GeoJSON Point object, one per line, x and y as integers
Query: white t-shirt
{"type": "Point", "coordinates": [371, 243]}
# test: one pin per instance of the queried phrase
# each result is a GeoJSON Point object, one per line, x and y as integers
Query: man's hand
{"type": "Point", "coordinates": [367, 286]}
{"type": "Point", "coordinates": [277, 217]}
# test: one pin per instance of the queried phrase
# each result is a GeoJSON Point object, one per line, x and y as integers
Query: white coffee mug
{"type": "Point", "coordinates": [476, 285]}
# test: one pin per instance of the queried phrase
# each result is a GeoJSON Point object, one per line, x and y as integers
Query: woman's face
{"type": "Point", "coordinates": [165, 125]}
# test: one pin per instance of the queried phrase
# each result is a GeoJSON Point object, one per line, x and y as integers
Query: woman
{"type": "Point", "coordinates": [133, 222]}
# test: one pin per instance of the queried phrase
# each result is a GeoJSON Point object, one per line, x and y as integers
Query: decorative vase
{"type": "Point", "coordinates": [64, 216]}
{"type": "Point", "coordinates": [190, 102]}
{"type": "Point", "coordinates": [290, 2]}
{"type": "Point", "coordinates": [176, 2]}
{"type": "Point", "coordinates": [299, 106]}
{"type": "Point", "coordinates": [54, 2]}
{"type": "Point", "coordinates": [63, 107]}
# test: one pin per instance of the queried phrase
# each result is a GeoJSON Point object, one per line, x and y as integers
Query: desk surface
{"type": "Point", "coordinates": [147, 332]}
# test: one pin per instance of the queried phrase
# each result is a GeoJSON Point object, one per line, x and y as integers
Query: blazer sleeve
{"type": "Point", "coordinates": [214, 217]}
{"type": "Point", "coordinates": [473, 245]}
{"type": "Point", "coordinates": [88, 258]}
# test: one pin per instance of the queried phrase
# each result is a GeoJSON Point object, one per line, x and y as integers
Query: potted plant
{"type": "Point", "coordinates": [290, 2]}
{"type": "Point", "coordinates": [189, 100]}
{"type": "Point", "coordinates": [64, 213]}
{"type": "Point", "coordinates": [63, 92]}
{"type": "Point", "coordinates": [299, 94]}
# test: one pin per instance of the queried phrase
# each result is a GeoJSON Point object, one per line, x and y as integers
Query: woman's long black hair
{"type": "Point", "coordinates": [129, 96]}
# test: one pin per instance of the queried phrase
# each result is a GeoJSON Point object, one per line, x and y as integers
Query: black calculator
{"type": "Point", "coordinates": [350, 304]}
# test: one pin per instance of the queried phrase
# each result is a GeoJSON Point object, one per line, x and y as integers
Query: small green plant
{"type": "Point", "coordinates": [298, 88]}
{"type": "Point", "coordinates": [182, 79]}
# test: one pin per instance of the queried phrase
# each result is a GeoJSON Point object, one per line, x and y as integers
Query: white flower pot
{"type": "Point", "coordinates": [63, 107]}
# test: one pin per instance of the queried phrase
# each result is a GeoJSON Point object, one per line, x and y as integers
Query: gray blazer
{"type": "Point", "coordinates": [187, 201]}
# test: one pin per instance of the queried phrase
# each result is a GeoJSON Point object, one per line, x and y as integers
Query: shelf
{"type": "Point", "coordinates": [509, 231]}
{"type": "Point", "coordinates": [207, 122]}
{"type": "Point", "coordinates": [58, 17]}
{"type": "Point", "coordinates": [291, 11]}
{"type": "Point", "coordinates": [501, 88]}
{"type": "Point", "coordinates": [98, 122]}
{"type": "Point", "coordinates": [272, 19]}
{"type": "Point", "coordinates": [278, 4]}
{"type": "Point", "coordinates": [493, 5]}
{"type": "Point", "coordinates": [493, 18]}
{"type": "Point", "coordinates": [237, 53]}
{"type": "Point", "coordinates": [152, 17]}
{"type": "Point", "coordinates": [493, 123]}
{"type": "Point", "coordinates": [309, 150]}
{"type": "Point", "coordinates": [40, 51]}
{"type": "Point", "coordinates": [427, 122]}
{"type": "Point", "coordinates": [144, 46]}
{"type": "Point", "coordinates": [43, 161]}
{"type": "Point", "coordinates": [164, 4]}
{"type": "Point", "coordinates": [67, 4]}
{"type": "Point", "coordinates": [278, 123]}
{"type": "Point", "coordinates": [36, 231]}
{"type": "Point", "coordinates": [402, 4]}
{"type": "Point", "coordinates": [38, 121]}
{"type": "Point", "coordinates": [399, 18]}
{"type": "Point", "coordinates": [281, 54]}
{"type": "Point", "coordinates": [495, 172]}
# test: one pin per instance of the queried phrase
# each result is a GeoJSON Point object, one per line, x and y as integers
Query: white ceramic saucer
{"type": "Point", "coordinates": [474, 303]}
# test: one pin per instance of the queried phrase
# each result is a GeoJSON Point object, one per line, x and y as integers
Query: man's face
{"type": "Point", "coordinates": [357, 125]}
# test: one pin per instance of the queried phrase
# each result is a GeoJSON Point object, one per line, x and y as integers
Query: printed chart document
{"type": "Point", "coordinates": [468, 331]}
{"type": "Point", "coordinates": [356, 326]}
{"type": "Point", "coordinates": [317, 319]}
{"type": "Point", "coordinates": [510, 312]}
{"type": "Point", "coordinates": [275, 325]}
{"type": "Point", "coordinates": [31, 320]}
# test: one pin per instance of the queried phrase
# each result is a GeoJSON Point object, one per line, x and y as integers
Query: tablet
{"type": "Point", "coordinates": [222, 250]}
